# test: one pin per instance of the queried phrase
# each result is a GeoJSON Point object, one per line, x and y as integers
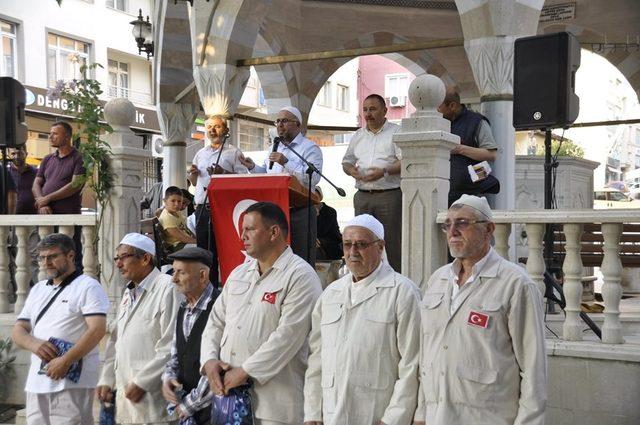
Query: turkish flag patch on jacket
{"type": "Point", "coordinates": [269, 297]}
{"type": "Point", "coordinates": [478, 319]}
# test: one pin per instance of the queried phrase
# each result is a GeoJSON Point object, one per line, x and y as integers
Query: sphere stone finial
{"type": "Point", "coordinates": [120, 114]}
{"type": "Point", "coordinates": [426, 92]}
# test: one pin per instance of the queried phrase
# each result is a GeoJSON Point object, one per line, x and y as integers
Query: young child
{"type": "Point", "coordinates": [174, 225]}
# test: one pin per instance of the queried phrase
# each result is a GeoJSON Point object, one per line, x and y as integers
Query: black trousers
{"type": "Point", "coordinates": [206, 239]}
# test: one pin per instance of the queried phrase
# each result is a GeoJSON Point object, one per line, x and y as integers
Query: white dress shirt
{"type": "Point", "coordinates": [294, 166]}
{"type": "Point", "coordinates": [207, 157]}
{"type": "Point", "coordinates": [368, 149]}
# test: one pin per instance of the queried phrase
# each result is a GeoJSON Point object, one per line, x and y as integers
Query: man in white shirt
{"type": "Point", "coordinates": [365, 339]}
{"type": "Point", "coordinates": [139, 345]}
{"type": "Point", "coordinates": [483, 358]}
{"type": "Point", "coordinates": [229, 161]}
{"type": "Point", "coordinates": [69, 307]}
{"type": "Point", "coordinates": [374, 161]}
{"type": "Point", "coordinates": [289, 126]}
{"type": "Point", "coordinates": [259, 325]}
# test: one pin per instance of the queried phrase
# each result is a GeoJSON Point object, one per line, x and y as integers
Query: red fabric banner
{"type": "Point", "coordinates": [229, 197]}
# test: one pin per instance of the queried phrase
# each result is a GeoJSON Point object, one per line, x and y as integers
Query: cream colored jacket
{"type": "Point", "coordinates": [138, 348]}
{"type": "Point", "coordinates": [363, 365]}
{"type": "Point", "coordinates": [261, 323]}
{"type": "Point", "coordinates": [477, 375]}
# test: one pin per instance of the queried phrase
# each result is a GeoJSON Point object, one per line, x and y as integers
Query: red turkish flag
{"type": "Point", "coordinates": [478, 319]}
{"type": "Point", "coordinates": [269, 297]}
{"type": "Point", "coordinates": [230, 196]}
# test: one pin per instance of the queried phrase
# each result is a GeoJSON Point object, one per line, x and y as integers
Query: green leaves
{"type": "Point", "coordinates": [5, 349]}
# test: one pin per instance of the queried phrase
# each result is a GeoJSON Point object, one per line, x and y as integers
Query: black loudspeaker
{"type": "Point", "coordinates": [544, 76]}
{"type": "Point", "coordinates": [13, 129]}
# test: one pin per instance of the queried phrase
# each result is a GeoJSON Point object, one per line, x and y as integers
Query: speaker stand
{"type": "Point", "coordinates": [549, 164]}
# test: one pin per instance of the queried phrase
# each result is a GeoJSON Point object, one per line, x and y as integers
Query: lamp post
{"type": "Point", "coordinates": [143, 34]}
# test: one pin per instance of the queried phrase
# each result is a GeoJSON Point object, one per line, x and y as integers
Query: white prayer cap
{"type": "Point", "coordinates": [477, 203]}
{"type": "Point", "coordinates": [139, 241]}
{"type": "Point", "coordinates": [295, 111]}
{"type": "Point", "coordinates": [368, 222]}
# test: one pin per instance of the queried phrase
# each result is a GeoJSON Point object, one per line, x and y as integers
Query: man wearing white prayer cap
{"type": "Point", "coordinates": [365, 338]}
{"type": "Point", "coordinates": [482, 349]}
{"type": "Point", "coordinates": [289, 126]}
{"type": "Point", "coordinates": [140, 341]}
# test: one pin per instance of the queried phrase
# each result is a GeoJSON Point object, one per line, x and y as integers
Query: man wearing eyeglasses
{"type": "Point", "coordinates": [139, 344]}
{"type": "Point", "coordinates": [216, 158]}
{"type": "Point", "coordinates": [365, 339]}
{"type": "Point", "coordinates": [483, 357]}
{"type": "Point", "coordinates": [289, 127]}
{"type": "Point", "coordinates": [68, 308]}
{"type": "Point", "coordinates": [373, 160]}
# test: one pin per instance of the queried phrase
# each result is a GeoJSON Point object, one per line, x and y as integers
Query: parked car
{"type": "Point", "coordinates": [613, 198]}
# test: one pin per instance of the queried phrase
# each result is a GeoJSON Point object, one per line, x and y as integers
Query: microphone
{"type": "Point", "coordinates": [276, 142]}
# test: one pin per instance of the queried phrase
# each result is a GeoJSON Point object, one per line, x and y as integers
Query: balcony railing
{"type": "Point", "coordinates": [23, 226]}
{"type": "Point", "coordinates": [572, 222]}
{"type": "Point", "coordinates": [133, 95]}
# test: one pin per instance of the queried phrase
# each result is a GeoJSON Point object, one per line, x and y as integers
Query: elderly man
{"type": "Point", "coordinates": [216, 158]}
{"type": "Point", "coordinates": [68, 308]}
{"type": "Point", "coordinates": [289, 127]}
{"type": "Point", "coordinates": [483, 357]}
{"type": "Point", "coordinates": [365, 339]}
{"type": "Point", "coordinates": [373, 160]}
{"type": "Point", "coordinates": [140, 342]}
{"type": "Point", "coordinates": [476, 145]}
{"type": "Point", "coordinates": [182, 372]}
{"type": "Point", "coordinates": [258, 328]}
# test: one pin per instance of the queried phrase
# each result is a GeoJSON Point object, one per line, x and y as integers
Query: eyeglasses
{"type": "Point", "coordinates": [359, 245]}
{"type": "Point", "coordinates": [460, 224]}
{"type": "Point", "coordinates": [122, 257]}
{"type": "Point", "coordinates": [283, 121]}
{"type": "Point", "coordinates": [50, 257]}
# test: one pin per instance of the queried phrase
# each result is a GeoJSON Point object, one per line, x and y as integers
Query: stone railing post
{"type": "Point", "coordinates": [611, 289]}
{"type": "Point", "coordinates": [4, 271]}
{"type": "Point", "coordinates": [535, 261]}
{"type": "Point", "coordinates": [43, 231]}
{"type": "Point", "coordinates": [23, 261]}
{"type": "Point", "coordinates": [572, 287]}
{"type": "Point", "coordinates": [425, 142]}
{"type": "Point", "coordinates": [501, 236]}
{"type": "Point", "coordinates": [122, 212]}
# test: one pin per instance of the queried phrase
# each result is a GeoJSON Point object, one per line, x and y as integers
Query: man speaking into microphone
{"type": "Point", "coordinates": [282, 160]}
{"type": "Point", "coordinates": [218, 157]}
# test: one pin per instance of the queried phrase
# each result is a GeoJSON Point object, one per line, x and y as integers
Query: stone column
{"type": "Point", "coordinates": [220, 87]}
{"type": "Point", "coordinates": [176, 121]}
{"type": "Point", "coordinates": [425, 142]}
{"type": "Point", "coordinates": [122, 214]}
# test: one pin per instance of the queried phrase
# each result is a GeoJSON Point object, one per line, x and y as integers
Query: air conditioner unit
{"type": "Point", "coordinates": [397, 101]}
{"type": "Point", "coordinates": [156, 146]}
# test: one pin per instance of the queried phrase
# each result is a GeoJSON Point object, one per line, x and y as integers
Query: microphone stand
{"type": "Point", "coordinates": [310, 170]}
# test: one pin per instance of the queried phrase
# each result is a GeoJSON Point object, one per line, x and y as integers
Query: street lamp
{"type": "Point", "coordinates": [143, 34]}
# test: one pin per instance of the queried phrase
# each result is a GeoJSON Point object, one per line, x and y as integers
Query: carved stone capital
{"type": "Point", "coordinates": [176, 121]}
{"type": "Point", "coordinates": [220, 87]}
{"type": "Point", "coordinates": [491, 61]}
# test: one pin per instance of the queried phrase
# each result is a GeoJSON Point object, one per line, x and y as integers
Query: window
{"type": "Point", "coordinates": [118, 4]}
{"type": "Point", "coordinates": [251, 138]}
{"type": "Point", "coordinates": [64, 58]}
{"type": "Point", "coordinates": [324, 96]}
{"type": "Point", "coordinates": [8, 66]}
{"type": "Point", "coordinates": [343, 98]}
{"type": "Point", "coordinates": [396, 85]}
{"type": "Point", "coordinates": [118, 79]}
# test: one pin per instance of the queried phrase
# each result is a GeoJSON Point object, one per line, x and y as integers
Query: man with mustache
{"type": "Point", "coordinates": [483, 358]}
{"type": "Point", "coordinates": [373, 160]}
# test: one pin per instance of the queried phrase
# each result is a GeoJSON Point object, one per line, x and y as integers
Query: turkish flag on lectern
{"type": "Point", "coordinates": [230, 196]}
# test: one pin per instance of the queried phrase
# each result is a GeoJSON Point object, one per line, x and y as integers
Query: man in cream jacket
{"type": "Point", "coordinates": [259, 325]}
{"type": "Point", "coordinates": [365, 339]}
{"type": "Point", "coordinates": [140, 342]}
{"type": "Point", "coordinates": [483, 357]}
